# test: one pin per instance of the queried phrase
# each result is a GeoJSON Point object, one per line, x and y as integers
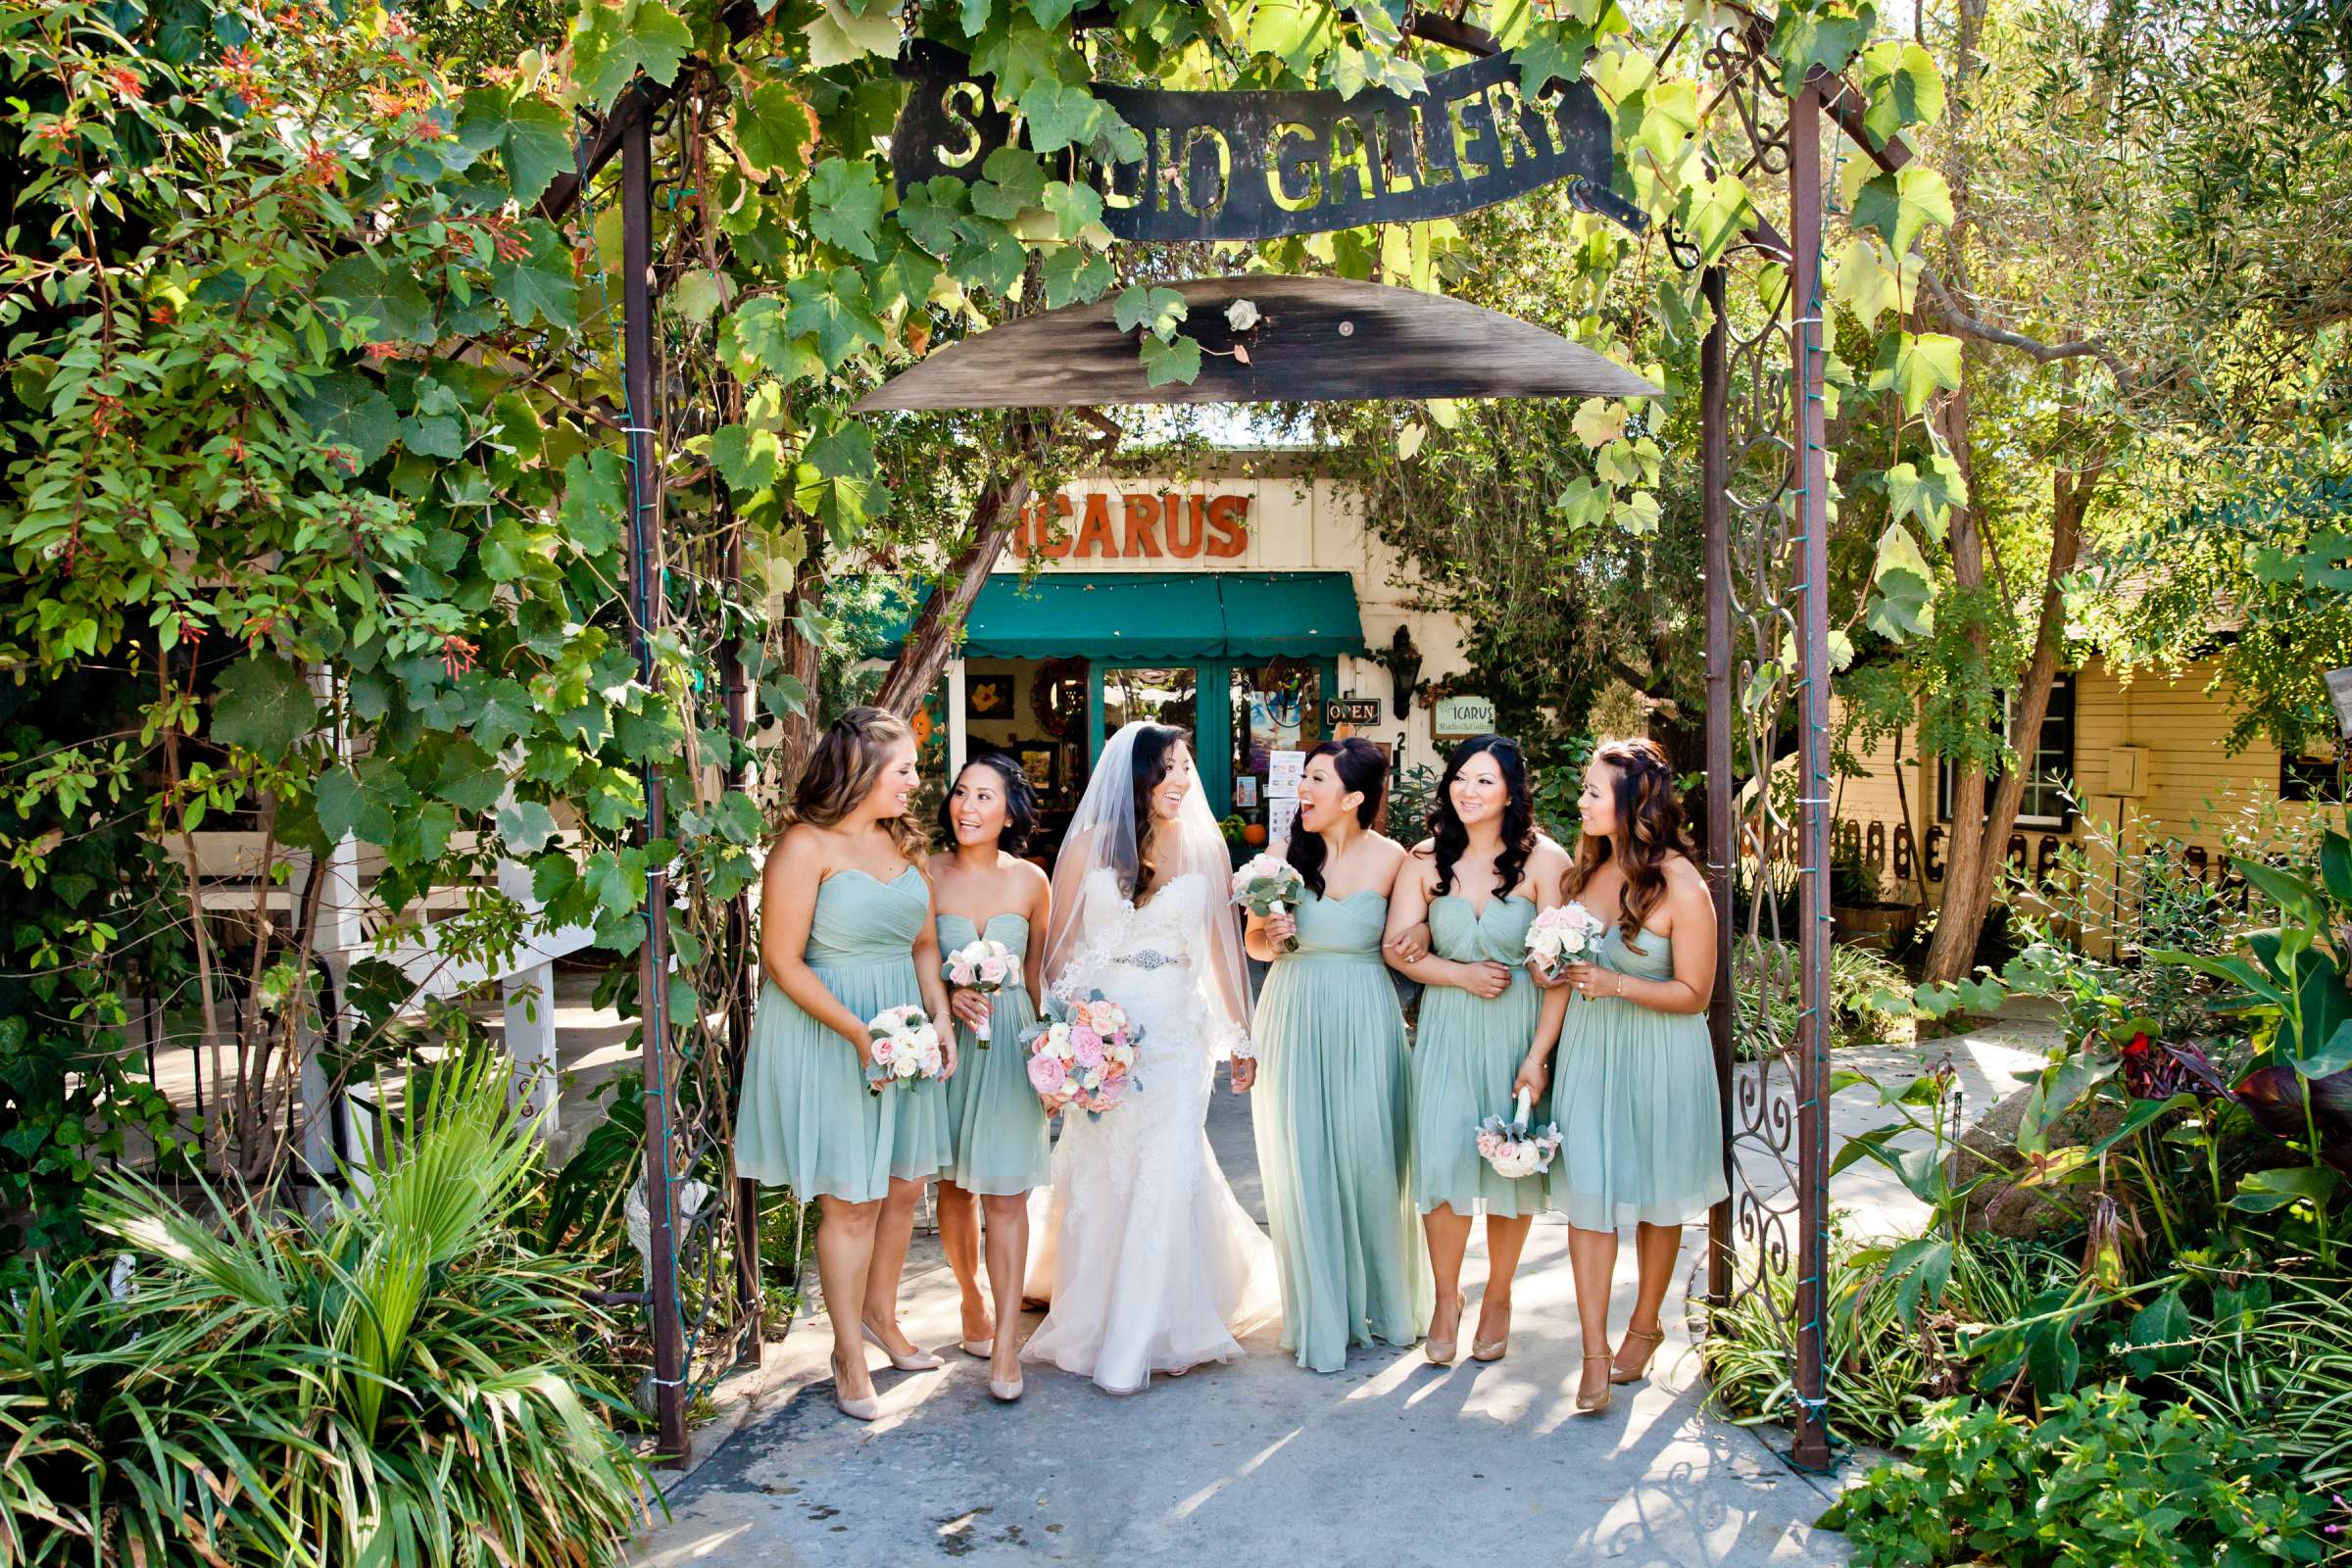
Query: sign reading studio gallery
{"type": "Point", "coordinates": [1262, 165]}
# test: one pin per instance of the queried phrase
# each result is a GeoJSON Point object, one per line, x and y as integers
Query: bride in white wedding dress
{"type": "Point", "coordinates": [1149, 1262]}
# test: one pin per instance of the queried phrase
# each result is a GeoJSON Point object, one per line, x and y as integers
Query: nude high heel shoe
{"type": "Point", "coordinates": [1591, 1404]}
{"type": "Point", "coordinates": [1005, 1392]}
{"type": "Point", "coordinates": [978, 1349]}
{"type": "Point", "coordinates": [920, 1361]}
{"type": "Point", "coordinates": [1618, 1374]}
{"type": "Point", "coordinates": [856, 1409]}
{"type": "Point", "coordinates": [1441, 1352]}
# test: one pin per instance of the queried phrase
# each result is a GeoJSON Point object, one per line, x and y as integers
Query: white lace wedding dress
{"type": "Point", "coordinates": [1148, 1262]}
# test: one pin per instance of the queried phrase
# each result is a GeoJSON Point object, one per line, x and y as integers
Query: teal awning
{"type": "Point", "coordinates": [1130, 615]}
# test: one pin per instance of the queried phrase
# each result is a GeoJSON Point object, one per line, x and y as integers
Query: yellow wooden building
{"type": "Point", "coordinates": [2123, 761]}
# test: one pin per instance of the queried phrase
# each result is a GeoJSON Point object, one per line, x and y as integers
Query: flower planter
{"type": "Point", "coordinates": [1876, 926]}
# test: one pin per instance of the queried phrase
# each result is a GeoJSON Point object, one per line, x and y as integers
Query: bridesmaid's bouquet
{"type": "Point", "coordinates": [984, 968]}
{"type": "Point", "coordinates": [1515, 1150]}
{"type": "Point", "coordinates": [1268, 884]}
{"type": "Point", "coordinates": [1082, 1056]}
{"type": "Point", "coordinates": [1570, 933]}
{"type": "Point", "coordinates": [906, 1046]}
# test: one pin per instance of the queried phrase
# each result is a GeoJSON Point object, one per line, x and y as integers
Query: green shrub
{"type": "Point", "coordinates": [1882, 1370]}
{"type": "Point", "coordinates": [2100, 1481]}
{"type": "Point", "coordinates": [402, 1382]}
{"type": "Point", "coordinates": [1870, 998]}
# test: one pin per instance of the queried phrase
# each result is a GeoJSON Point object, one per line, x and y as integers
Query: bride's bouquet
{"type": "Point", "coordinates": [906, 1046]}
{"type": "Point", "coordinates": [983, 968]}
{"type": "Point", "coordinates": [1082, 1054]}
{"type": "Point", "coordinates": [1514, 1149]}
{"type": "Point", "coordinates": [1568, 934]}
{"type": "Point", "coordinates": [1266, 885]}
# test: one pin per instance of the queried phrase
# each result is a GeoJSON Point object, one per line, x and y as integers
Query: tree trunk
{"type": "Point", "coordinates": [1966, 901]}
{"type": "Point", "coordinates": [1952, 951]}
{"type": "Point", "coordinates": [932, 637]}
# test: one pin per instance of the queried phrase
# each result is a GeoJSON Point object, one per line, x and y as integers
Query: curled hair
{"type": "Point", "coordinates": [1021, 801]}
{"type": "Point", "coordinates": [1362, 770]}
{"type": "Point", "coordinates": [1133, 865]}
{"type": "Point", "coordinates": [1450, 838]}
{"type": "Point", "coordinates": [846, 765]}
{"type": "Point", "coordinates": [1649, 829]}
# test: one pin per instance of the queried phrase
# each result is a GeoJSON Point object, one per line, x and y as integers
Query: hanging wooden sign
{"type": "Point", "coordinates": [1260, 164]}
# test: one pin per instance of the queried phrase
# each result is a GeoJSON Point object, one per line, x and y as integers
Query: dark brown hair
{"type": "Point", "coordinates": [1153, 744]}
{"type": "Point", "coordinates": [1649, 829]}
{"type": "Point", "coordinates": [1021, 801]}
{"type": "Point", "coordinates": [1450, 838]}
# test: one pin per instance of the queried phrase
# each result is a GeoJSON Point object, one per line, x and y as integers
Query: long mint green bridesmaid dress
{"type": "Point", "coordinates": [1635, 1092]}
{"type": "Point", "coordinates": [1333, 1115]}
{"type": "Point", "coordinates": [806, 1120]}
{"type": "Point", "coordinates": [1466, 1051]}
{"type": "Point", "coordinates": [997, 1123]}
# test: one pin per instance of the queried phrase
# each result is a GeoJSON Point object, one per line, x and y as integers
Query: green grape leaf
{"type": "Point", "coordinates": [1013, 183]}
{"type": "Point", "coordinates": [1074, 273]}
{"type": "Point", "coordinates": [845, 206]}
{"type": "Point", "coordinates": [1902, 606]}
{"type": "Point", "coordinates": [1171, 360]}
{"type": "Point", "coordinates": [1916, 367]}
{"type": "Point", "coordinates": [844, 452]}
{"type": "Point", "coordinates": [595, 503]}
{"type": "Point", "coordinates": [1903, 87]}
{"type": "Point", "coordinates": [832, 306]}
{"type": "Point", "coordinates": [760, 334]}
{"type": "Point", "coordinates": [1898, 205]}
{"type": "Point", "coordinates": [748, 460]}
{"type": "Point", "coordinates": [264, 706]}
{"type": "Point", "coordinates": [346, 407]}
{"type": "Point", "coordinates": [526, 826]}
{"type": "Point", "coordinates": [1555, 51]}
{"type": "Point", "coordinates": [1930, 497]}
{"type": "Point", "coordinates": [1158, 310]}
{"type": "Point", "coordinates": [840, 36]}
{"type": "Point", "coordinates": [390, 302]}
{"type": "Point", "coordinates": [775, 128]}
{"type": "Point", "coordinates": [1060, 116]}
{"type": "Point", "coordinates": [614, 42]}
{"type": "Point", "coordinates": [531, 136]}
{"type": "Point", "coordinates": [1824, 35]}
{"type": "Point", "coordinates": [541, 284]}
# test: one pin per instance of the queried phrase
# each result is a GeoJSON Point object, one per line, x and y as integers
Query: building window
{"type": "Point", "coordinates": [2317, 780]}
{"type": "Point", "coordinates": [2043, 804]}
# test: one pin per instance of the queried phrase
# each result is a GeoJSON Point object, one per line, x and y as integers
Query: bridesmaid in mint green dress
{"type": "Point", "coordinates": [1331, 1092]}
{"type": "Point", "coordinates": [1635, 1083]}
{"type": "Point", "coordinates": [983, 888]}
{"type": "Point", "coordinates": [845, 933]}
{"type": "Point", "coordinates": [1477, 881]}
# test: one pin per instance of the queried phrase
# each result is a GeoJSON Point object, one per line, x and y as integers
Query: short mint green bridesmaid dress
{"type": "Point", "coordinates": [1634, 1090]}
{"type": "Point", "coordinates": [806, 1120]}
{"type": "Point", "coordinates": [1332, 1112]}
{"type": "Point", "coordinates": [1466, 1051]}
{"type": "Point", "coordinates": [997, 1123]}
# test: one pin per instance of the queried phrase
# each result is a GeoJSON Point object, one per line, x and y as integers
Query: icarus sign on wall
{"type": "Point", "coordinates": [1260, 164]}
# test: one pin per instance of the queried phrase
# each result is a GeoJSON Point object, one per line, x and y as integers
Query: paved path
{"type": "Point", "coordinates": [1392, 1462]}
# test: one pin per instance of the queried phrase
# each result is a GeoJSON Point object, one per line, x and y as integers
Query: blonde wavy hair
{"type": "Point", "coordinates": [849, 761]}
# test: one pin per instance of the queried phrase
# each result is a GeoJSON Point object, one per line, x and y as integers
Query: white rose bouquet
{"type": "Point", "coordinates": [1515, 1150]}
{"type": "Point", "coordinates": [905, 1045]}
{"type": "Point", "coordinates": [1569, 934]}
{"type": "Point", "coordinates": [1268, 885]}
{"type": "Point", "coordinates": [984, 968]}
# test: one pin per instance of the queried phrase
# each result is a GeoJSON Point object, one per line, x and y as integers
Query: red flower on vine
{"type": "Point", "coordinates": [321, 165]}
{"type": "Point", "coordinates": [105, 411]}
{"type": "Point", "coordinates": [125, 81]}
{"type": "Point", "coordinates": [160, 315]}
{"type": "Point", "coordinates": [58, 131]}
{"type": "Point", "coordinates": [236, 449]}
{"type": "Point", "coordinates": [456, 654]}
{"type": "Point", "coordinates": [506, 239]}
{"type": "Point", "coordinates": [383, 350]}
{"type": "Point", "coordinates": [258, 628]}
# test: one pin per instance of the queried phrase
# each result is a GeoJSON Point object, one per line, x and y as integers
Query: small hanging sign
{"type": "Point", "coordinates": [1260, 164]}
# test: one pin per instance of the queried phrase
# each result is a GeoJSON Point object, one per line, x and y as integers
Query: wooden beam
{"type": "Point", "coordinates": [1316, 339]}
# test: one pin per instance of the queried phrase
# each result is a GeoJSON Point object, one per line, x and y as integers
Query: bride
{"type": "Point", "coordinates": [1149, 1263]}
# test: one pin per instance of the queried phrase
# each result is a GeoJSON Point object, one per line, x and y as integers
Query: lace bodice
{"type": "Point", "coordinates": [1166, 932]}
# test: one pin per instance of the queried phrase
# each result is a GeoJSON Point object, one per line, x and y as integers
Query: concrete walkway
{"type": "Point", "coordinates": [1391, 1462]}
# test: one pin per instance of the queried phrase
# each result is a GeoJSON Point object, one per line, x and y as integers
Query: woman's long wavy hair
{"type": "Point", "coordinates": [1450, 838]}
{"type": "Point", "coordinates": [1649, 829]}
{"type": "Point", "coordinates": [1363, 771]}
{"type": "Point", "coordinates": [1153, 744]}
{"type": "Point", "coordinates": [848, 763]}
